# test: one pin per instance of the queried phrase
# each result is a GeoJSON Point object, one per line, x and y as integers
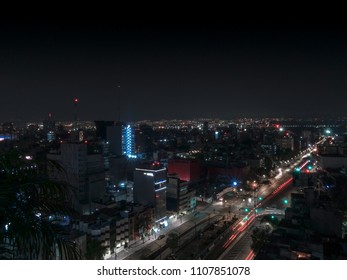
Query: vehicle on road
{"type": "Point", "coordinates": [161, 236]}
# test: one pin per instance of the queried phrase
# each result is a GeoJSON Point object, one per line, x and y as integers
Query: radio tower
{"type": "Point", "coordinates": [118, 103]}
{"type": "Point", "coordinates": [75, 102]}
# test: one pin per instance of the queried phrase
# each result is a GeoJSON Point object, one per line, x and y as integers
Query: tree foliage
{"type": "Point", "coordinates": [172, 241]}
{"type": "Point", "coordinates": [31, 206]}
{"type": "Point", "coordinates": [95, 251]}
{"type": "Point", "coordinates": [258, 238]}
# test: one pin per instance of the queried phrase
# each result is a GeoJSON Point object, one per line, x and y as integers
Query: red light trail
{"type": "Point", "coordinates": [250, 256]}
{"type": "Point", "coordinates": [239, 228]}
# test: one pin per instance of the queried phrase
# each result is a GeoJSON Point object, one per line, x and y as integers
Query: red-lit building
{"type": "Point", "coordinates": [186, 169]}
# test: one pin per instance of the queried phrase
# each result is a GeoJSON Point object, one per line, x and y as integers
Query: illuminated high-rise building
{"type": "Point", "coordinates": [150, 188]}
{"type": "Point", "coordinates": [121, 140]}
{"type": "Point", "coordinates": [50, 136]}
{"type": "Point", "coordinates": [128, 141]}
{"type": "Point", "coordinates": [49, 124]}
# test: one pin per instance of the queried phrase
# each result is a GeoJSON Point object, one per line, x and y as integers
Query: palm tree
{"type": "Point", "coordinates": [95, 250]}
{"type": "Point", "coordinates": [30, 207]}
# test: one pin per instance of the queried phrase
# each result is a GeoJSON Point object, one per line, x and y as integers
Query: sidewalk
{"type": "Point", "coordinates": [138, 245]}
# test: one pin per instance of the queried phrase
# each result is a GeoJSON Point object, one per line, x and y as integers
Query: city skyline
{"type": "Point", "coordinates": [170, 71]}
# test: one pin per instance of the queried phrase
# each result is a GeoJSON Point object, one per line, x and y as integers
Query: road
{"type": "Point", "coordinates": [238, 245]}
{"type": "Point", "coordinates": [271, 196]}
{"type": "Point", "coordinates": [240, 249]}
{"type": "Point", "coordinates": [227, 207]}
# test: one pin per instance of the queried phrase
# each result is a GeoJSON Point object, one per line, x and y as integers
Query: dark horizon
{"type": "Point", "coordinates": [171, 71]}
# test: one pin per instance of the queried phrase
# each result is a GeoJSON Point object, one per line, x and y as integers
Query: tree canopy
{"type": "Point", "coordinates": [32, 208]}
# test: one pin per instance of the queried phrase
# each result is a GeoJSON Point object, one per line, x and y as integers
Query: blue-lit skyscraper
{"type": "Point", "coordinates": [121, 140]}
{"type": "Point", "coordinates": [128, 141]}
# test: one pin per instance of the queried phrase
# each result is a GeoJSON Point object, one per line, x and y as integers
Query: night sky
{"type": "Point", "coordinates": [170, 70]}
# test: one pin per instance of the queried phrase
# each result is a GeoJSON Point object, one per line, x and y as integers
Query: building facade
{"type": "Point", "coordinates": [121, 139]}
{"type": "Point", "coordinates": [150, 188]}
{"type": "Point", "coordinates": [83, 170]}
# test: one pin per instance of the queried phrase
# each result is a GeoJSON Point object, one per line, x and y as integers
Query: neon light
{"type": "Point", "coordinates": [164, 188]}
{"type": "Point", "coordinates": [161, 219]}
{"type": "Point", "coordinates": [158, 170]}
{"type": "Point", "coordinates": [160, 182]}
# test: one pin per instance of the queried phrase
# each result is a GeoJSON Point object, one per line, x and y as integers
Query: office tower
{"type": "Point", "coordinates": [150, 188]}
{"type": "Point", "coordinates": [121, 140]}
{"type": "Point", "coordinates": [180, 197]}
{"type": "Point", "coordinates": [50, 136]}
{"type": "Point", "coordinates": [114, 138]}
{"type": "Point", "coordinates": [83, 169]}
{"type": "Point", "coordinates": [49, 128]}
{"type": "Point", "coordinates": [144, 141]}
{"type": "Point", "coordinates": [128, 141]}
{"type": "Point", "coordinates": [101, 128]}
{"type": "Point", "coordinates": [49, 124]}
